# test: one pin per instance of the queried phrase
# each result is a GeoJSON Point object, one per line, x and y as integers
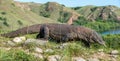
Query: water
{"type": "Point", "coordinates": [116, 31]}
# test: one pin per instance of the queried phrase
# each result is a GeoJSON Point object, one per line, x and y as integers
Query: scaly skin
{"type": "Point", "coordinates": [60, 33]}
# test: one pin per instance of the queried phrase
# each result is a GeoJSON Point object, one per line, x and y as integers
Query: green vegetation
{"type": "Point", "coordinates": [3, 13]}
{"type": "Point", "coordinates": [16, 55]}
{"type": "Point", "coordinates": [102, 26]}
{"type": "Point", "coordinates": [45, 14]}
{"type": "Point", "coordinates": [71, 49]}
{"type": "Point", "coordinates": [102, 12]}
{"type": "Point", "coordinates": [13, 17]}
{"type": "Point", "coordinates": [99, 26]}
{"type": "Point", "coordinates": [64, 17]}
{"type": "Point", "coordinates": [112, 41]}
{"type": "Point", "coordinates": [19, 22]}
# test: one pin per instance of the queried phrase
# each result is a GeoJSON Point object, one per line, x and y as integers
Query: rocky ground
{"type": "Point", "coordinates": [51, 51]}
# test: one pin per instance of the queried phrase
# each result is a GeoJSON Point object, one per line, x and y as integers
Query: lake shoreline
{"type": "Point", "coordinates": [113, 31]}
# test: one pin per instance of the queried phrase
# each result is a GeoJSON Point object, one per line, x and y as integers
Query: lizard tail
{"type": "Point", "coordinates": [25, 30]}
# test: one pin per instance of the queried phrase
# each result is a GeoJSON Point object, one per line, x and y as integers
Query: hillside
{"type": "Point", "coordinates": [63, 14]}
{"type": "Point", "coordinates": [54, 11]}
{"type": "Point", "coordinates": [99, 12]}
{"type": "Point", "coordinates": [15, 15]}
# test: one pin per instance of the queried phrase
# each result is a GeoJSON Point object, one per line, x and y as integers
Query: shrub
{"type": "Point", "coordinates": [45, 14]}
{"type": "Point", "coordinates": [102, 26]}
{"type": "Point", "coordinates": [3, 18]}
{"type": "Point", "coordinates": [3, 13]}
{"type": "Point", "coordinates": [13, 4]}
{"type": "Point", "coordinates": [20, 22]}
{"type": "Point", "coordinates": [99, 26]}
{"type": "Point", "coordinates": [5, 23]}
{"type": "Point", "coordinates": [112, 41]}
{"type": "Point", "coordinates": [64, 17]}
{"type": "Point", "coordinates": [76, 8]}
{"type": "Point", "coordinates": [0, 18]}
{"type": "Point", "coordinates": [81, 21]}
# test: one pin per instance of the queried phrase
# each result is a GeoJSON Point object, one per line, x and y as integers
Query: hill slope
{"type": "Point", "coordinates": [54, 11]}
{"type": "Point", "coordinates": [13, 15]}
{"type": "Point", "coordinates": [99, 12]}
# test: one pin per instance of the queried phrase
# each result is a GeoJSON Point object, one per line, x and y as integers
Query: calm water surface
{"type": "Point", "coordinates": [116, 31]}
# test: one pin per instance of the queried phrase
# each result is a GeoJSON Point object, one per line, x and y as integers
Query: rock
{"type": "Point", "coordinates": [17, 40]}
{"type": "Point", "coordinates": [23, 38]}
{"type": "Point", "coordinates": [38, 50]}
{"type": "Point", "coordinates": [49, 51]}
{"type": "Point", "coordinates": [19, 47]}
{"type": "Point", "coordinates": [35, 42]}
{"type": "Point", "coordinates": [54, 58]}
{"type": "Point", "coordinates": [114, 56]}
{"type": "Point", "coordinates": [38, 55]}
{"type": "Point", "coordinates": [78, 59]}
{"type": "Point", "coordinates": [62, 46]}
{"type": "Point", "coordinates": [93, 59]}
{"type": "Point", "coordinates": [5, 48]}
{"type": "Point", "coordinates": [65, 44]}
{"type": "Point", "coordinates": [100, 50]}
{"type": "Point", "coordinates": [59, 47]}
{"type": "Point", "coordinates": [27, 51]}
{"type": "Point", "coordinates": [114, 52]}
{"type": "Point", "coordinates": [3, 43]}
{"type": "Point", "coordinates": [113, 59]}
{"type": "Point", "coordinates": [10, 43]}
{"type": "Point", "coordinates": [101, 53]}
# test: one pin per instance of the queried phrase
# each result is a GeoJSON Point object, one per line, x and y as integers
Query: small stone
{"type": "Point", "coordinates": [10, 43]}
{"type": "Point", "coordinates": [19, 47]}
{"type": "Point", "coordinates": [23, 38]}
{"type": "Point", "coordinates": [78, 59]}
{"type": "Point", "coordinates": [113, 59]}
{"type": "Point", "coordinates": [38, 50]}
{"type": "Point", "coordinates": [54, 58]}
{"type": "Point", "coordinates": [3, 43]}
{"type": "Point", "coordinates": [93, 59]}
{"type": "Point", "coordinates": [101, 53]}
{"type": "Point", "coordinates": [65, 44]}
{"type": "Point", "coordinates": [49, 51]}
{"type": "Point", "coordinates": [114, 52]}
{"type": "Point", "coordinates": [5, 48]}
{"type": "Point", "coordinates": [114, 56]}
{"type": "Point", "coordinates": [17, 40]}
{"type": "Point", "coordinates": [38, 55]}
{"type": "Point", "coordinates": [27, 51]}
{"type": "Point", "coordinates": [35, 42]}
{"type": "Point", "coordinates": [62, 46]}
{"type": "Point", "coordinates": [100, 50]}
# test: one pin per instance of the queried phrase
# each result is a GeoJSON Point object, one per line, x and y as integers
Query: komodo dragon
{"type": "Point", "coordinates": [60, 33]}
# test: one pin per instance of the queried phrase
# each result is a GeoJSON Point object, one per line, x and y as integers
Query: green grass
{"type": "Point", "coordinates": [13, 14]}
{"type": "Point", "coordinates": [16, 55]}
{"type": "Point", "coordinates": [72, 49]}
{"type": "Point", "coordinates": [99, 26]}
{"type": "Point", "coordinates": [93, 12]}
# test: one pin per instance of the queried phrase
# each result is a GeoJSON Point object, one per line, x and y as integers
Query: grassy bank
{"type": "Point", "coordinates": [72, 49]}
